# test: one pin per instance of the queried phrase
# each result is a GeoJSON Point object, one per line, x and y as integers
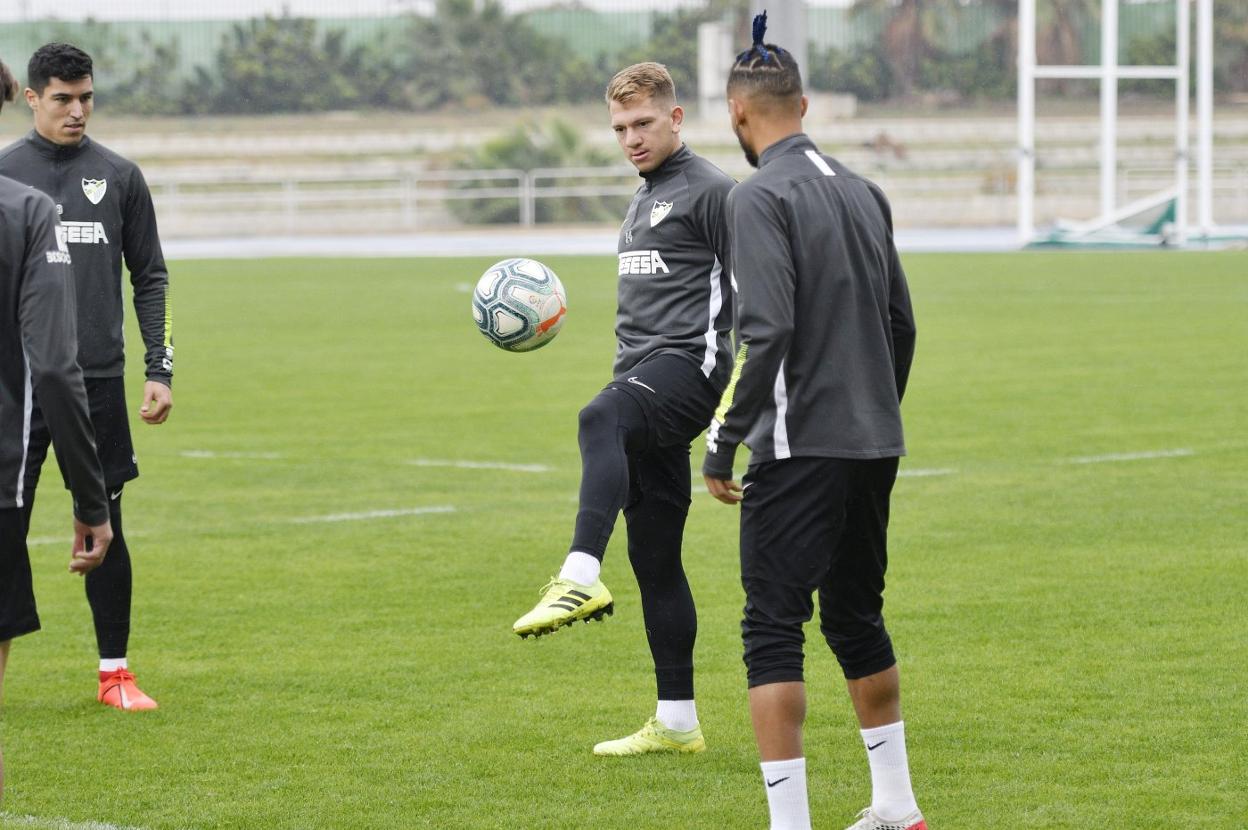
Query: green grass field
{"type": "Point", "coordinates": [1071, 635]}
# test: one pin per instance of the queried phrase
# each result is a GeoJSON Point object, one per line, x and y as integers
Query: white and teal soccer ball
{"type": "Point", "coordinates": [519, 304]}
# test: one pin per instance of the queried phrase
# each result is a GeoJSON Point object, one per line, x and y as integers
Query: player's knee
{"type": "Point", "coordinates": [862, 649]}
{"type": "Point", "coordinates": [598, 420]}
{"type": "Point", "coordinates": [773, 650]}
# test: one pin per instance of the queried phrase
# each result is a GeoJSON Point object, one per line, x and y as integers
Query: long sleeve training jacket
{"type": "Point", "coordinates": [106, 210]}
{"type": "Point", "coordinates": [38, 352]}
{"type": "Point", "coordinates": [825, 329]}
{"type": "Point", "coordinates": [673, 279]}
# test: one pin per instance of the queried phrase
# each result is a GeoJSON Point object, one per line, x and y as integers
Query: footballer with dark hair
{"type": "Point", "coordinates": [107, 218]}
{"type": "Point", "coordinates": [825, 340]}
{"type": "Point", "coordinates": [38, 356]}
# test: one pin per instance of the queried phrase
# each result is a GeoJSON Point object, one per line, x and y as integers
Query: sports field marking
{"type": "Point", "coordinates": [1181, 452]}
{"type": "Point", "coordinates": [268, 456]}
{"type": "Point", "coordinates": [69, 540]}
{"type": "Point", "coordinates": [481, 465]}
{"type": "Point", "coordinates": [10, 820]}
{"type": "Point", "coordinates": [926, 473]}
{"type": "Point", "coordinates": [373, 514]}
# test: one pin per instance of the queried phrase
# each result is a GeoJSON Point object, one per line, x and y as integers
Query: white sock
{"type": "Point", "coordinates": [580, 567]}
{"type": "Point", "coordinates": [680, 715]}
{"type": "Point", "coordinates": [113, 664]}
{"type": "Point", "coordinates": [786, 794]}
{"type": "Point", "coordinates": [891, 795]}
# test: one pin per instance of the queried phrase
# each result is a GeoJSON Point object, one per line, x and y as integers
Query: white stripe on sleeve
{"type": "Point", "coordinates": [820, 163]}
{"type": "Point", "coordinates": [780, 435]}
{"type": "Point", "coordinates": [712, 336]}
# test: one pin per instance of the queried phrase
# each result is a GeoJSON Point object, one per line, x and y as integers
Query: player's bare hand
{"type": "Point", "coordinates": [726, 490]}
{"type": "Point", "coordinates": [90, 545]}
{"type": "Point", "coordinates": [157, 402]}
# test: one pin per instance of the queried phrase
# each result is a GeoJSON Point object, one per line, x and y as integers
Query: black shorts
{"type": "Point", "coordinates": [677, 398]}
{"type": "Point", "coordinates": [106, 398]}
{"type": "Point", "coordinates": [17, 595]}
{"type": "Point", "coordinates": [679, 402]}
{"type": "Point", "coordinates": [807, 525]}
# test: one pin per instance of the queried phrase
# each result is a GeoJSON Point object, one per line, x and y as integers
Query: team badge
{"type": "Point", "coordinates": [94, 189]}
{"type": "Point", "coordinates": [628, 236]}
{"type": "Point", "coordinates": [659, 212]}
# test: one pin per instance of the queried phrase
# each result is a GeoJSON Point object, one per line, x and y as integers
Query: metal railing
{"type": "Point", "coordinates": [410, 197]}
{"type": "Point", "coordinates": [394, 198]}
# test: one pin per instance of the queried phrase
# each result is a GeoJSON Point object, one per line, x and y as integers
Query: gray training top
{"type": "Point", "coordinates": [106, 210]}
{"type": "Point", "coordinates": [673, 281]}
{"type": "Point", "coordinates": [825, 329]}
{"type": "Point", "coordinates": [38, 352]}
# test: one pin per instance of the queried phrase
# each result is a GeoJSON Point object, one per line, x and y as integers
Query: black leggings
{"type": "Point", "coordinates": [621, 469]}
{"type": "Point", "coordinates": [108, 586]}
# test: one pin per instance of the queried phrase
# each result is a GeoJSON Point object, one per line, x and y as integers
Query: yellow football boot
{"type": "Point", "coordinates": [564, 602]}
{"type": "Point", "coordinates": [654, 737]}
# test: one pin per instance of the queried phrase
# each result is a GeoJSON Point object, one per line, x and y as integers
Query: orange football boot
{"type": "Point", "coordinates": [117, 689]}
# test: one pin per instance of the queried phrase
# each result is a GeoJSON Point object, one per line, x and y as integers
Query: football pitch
{"type": "Point", "coordinates": [356, 495]}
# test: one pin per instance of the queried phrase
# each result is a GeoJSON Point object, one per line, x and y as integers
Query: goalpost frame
{"type": "Point", "coordinates": [1109, 72]}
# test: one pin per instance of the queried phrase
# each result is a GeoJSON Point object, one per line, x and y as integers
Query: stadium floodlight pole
{"type": "Point", "coordinates": [1204, 114]}
{"type": "Point", "coordinates": [1182, 99]}
{"type": "Point", "coordinates": [1025, 186]}
{"type": "Point", "coordinates": [1109, 105]}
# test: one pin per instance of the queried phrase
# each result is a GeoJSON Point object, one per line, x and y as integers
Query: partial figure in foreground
{"type": "Point", "coordinates": [38, 356]}
{"type": "Point", "coordinates": [108, 216]}
{"type": "Point", "coordinates": [672, 362]}
{"type": "Point", "coordinates": [826, 336]}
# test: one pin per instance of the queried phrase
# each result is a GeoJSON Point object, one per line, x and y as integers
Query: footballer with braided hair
{"type": "Point", "coordinates": [825, 337]}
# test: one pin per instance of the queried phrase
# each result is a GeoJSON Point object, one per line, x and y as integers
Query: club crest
{"type": "Point", "coordinates": [659, 212]}
{"type": "Point", "coordinates": [94, 189]}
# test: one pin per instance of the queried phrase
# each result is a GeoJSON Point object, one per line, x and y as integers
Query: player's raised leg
{"type": "Point", "coordinates": [612, 426]}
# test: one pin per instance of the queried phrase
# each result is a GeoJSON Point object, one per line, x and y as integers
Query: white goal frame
{"type": "Point", "coordinates": [1109, 72]}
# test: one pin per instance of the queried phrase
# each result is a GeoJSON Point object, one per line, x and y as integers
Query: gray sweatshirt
{"type": "Point", "coordinates": [106, 210]}
{"type": "Point", "coordinates": [825, 329]}
{"type": "Point", "coordinates": [38, 352]}
{"type": "Point", "coordinates": [673, 279]}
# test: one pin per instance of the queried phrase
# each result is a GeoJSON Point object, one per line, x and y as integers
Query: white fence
{"type": "Point", "coordinates": [394, 198]}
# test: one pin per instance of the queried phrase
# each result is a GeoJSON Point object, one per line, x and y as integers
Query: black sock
{"type": "Point", "coordinates": [108, 592]}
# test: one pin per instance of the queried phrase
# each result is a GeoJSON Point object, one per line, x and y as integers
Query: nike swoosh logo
{"type": "Point", "coordinates": [871, 748]}
{"type": "Point", "coordinates": [114, 496]}
{"type": "Point", "coordinates": [636, 382]}
{"type": "Point", "coordinates": [777, 781]}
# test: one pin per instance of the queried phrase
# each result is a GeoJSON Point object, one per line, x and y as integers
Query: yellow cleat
{"type": "Point", "coordinates": [564, 602]}
{"type": "Point", "coordinates": [654, 737]}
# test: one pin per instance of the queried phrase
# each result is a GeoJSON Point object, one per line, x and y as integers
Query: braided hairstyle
{"type": "Point", "coordinates": [766, 68]}
{"type": "Point", "coordinates": [8, 85]}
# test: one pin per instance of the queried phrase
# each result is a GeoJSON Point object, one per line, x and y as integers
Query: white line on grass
{"type": "Point", "coordinates": [69, 540]}
{"type": "Point", "coordinates": [926, 473]}
{"type": "Point", "coordinates": [11, 820]}
{"type": "Point", "coordinates": [373, 514]}
{"type": "Point", "coordinates": [266, 456]}
{"type": "Point", "coordinates": [1181, 452]}
{"type": "Point", "coordinates": [481, 465]}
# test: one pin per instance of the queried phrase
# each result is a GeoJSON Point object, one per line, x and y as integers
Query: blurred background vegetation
{"type": "Point", "coordinates": [477, 54]}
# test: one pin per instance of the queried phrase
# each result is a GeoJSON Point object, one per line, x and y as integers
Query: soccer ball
{"type": "Point", "coordinates": [519, 304]}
